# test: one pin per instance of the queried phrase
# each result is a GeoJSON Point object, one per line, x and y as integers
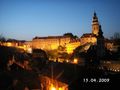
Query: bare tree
{"type": "Point", "coordinates": [115, 36]}
{"type": "Point", "coordinates": [2, 39]}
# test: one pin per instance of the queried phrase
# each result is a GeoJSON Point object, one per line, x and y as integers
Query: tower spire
{"type": "Point", "coordinates": [95, 24]}
{"type": "Point", "coordinates": [94, 13]}
{"type": "Point", "coordinates": [95, 18]}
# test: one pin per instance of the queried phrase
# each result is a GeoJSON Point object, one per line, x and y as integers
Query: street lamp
{"type": "Point", "coordinates": [75, 61]}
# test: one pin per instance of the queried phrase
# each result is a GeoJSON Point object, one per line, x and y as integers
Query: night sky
{"type": "Point", "coordinates": [25, 19]}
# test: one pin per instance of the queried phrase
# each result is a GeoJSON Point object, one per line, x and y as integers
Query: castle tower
{"type": "Point", "coordinates": [95, 24]}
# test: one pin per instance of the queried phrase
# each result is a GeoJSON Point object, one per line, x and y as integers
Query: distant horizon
{"type": "Point", "coordinates": [54, 36]}
{"type": "Point", "coordinates": [26, 19]}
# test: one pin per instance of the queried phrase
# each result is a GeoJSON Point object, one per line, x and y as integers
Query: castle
{"type": "Point", "coordinates": [53, 42]}
{"type": "Point", "coordinates": [69, 43]}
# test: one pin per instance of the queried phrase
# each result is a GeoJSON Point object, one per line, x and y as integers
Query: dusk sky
{"type": "Point", "coordinates": [25, 19]}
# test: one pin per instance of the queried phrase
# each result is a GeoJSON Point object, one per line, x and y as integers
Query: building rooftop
{"type": "Point", "coordinates": [51, 37]}
{"type": "Point", "coordinates": [88, 35]}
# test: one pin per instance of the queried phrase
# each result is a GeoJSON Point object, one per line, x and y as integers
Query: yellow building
{"type": "Point", "coordinates": [11, 44]}
{"type": "Point", "coordinates": [28, 46]}
{"type": "Point", "coordinates": [50, 42]}
{"type": "Point", "coordinates": [72, 45]}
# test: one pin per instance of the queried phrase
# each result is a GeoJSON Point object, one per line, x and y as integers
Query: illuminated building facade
{"type": "Point", "coordinates": [50, 42]}
{"type": "Point", "coordinates": [28, 46]}
{"type": "Point", "coordinates": [72, 45]}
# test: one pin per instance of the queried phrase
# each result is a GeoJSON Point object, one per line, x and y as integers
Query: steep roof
{"type": "Point", "coordinates": [88, 35]}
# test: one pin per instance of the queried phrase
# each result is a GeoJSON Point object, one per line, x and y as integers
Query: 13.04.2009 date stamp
{"type": "Point", "coordinates": [96, 80]}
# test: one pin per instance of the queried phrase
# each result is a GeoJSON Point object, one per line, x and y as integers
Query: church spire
{"type": "Point", "coordinates": [95, 18]}
{"type": "Point", "coordinates": [94, 13]}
